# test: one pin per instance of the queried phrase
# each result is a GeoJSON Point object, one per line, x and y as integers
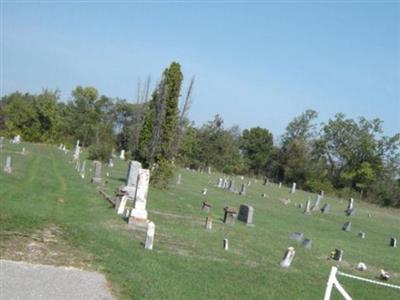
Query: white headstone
{"type": "Point", "coordinates": [307, 209]}
{"type": "Point", "coordinates": [122, 204]}
{"type": "Point", "coordinates": [139, 211]}
{"type": "Point", "coordinates": [293, 188]}
{"type": "Point", "coordinates": [77, 151]}
{"type": "Point", "coordinates": [280, 185]}
{"type": "Point", "coordinates": [16, 139]}
{"type": "Point", "coordinates": [82, 170]}
{"type": "Point", "coordinates": [151, 229]}
{"type": "Point", "coordinates": [288, 257]}
{"type": "Point", "coordinates": [122, 155]}
{"type": "Point", "coordinates": [226, 244]}
{"type": "Point", "coordinates": [7, 167]}
{"type": "Point", "coordinates": [178, 181]}
{"type": "Point", "coordinates": [110, 163]}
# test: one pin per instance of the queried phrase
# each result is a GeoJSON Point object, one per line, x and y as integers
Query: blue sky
{"type": "Point", "coordinates": [256, 64]}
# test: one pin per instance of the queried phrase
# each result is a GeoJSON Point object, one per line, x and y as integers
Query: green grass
{"type": "Point", "coordinates": [188, 262]}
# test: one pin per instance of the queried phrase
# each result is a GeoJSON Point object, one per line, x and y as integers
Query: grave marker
{"type": "Point", "coordinates": [346, 226]}
{"type": "Point", "coordinates": [208, 224]}
{"type": "Point", "coordinates": [288, 257]}
{"type": "Point", "coordinates": [246, 213]}
{"type": "Point", "coordinates": [139, 212]}
{"type": "Point", "coordinates": [151, 228]}
{"type": "Point", "coordinates": [97, 172]}
{"type": "Point", "coordinates": [7, 167]}
{"type": "Point", "coordinates": [230, 215]}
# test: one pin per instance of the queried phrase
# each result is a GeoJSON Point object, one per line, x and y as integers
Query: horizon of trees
{"type": "Point", "coordinates": [343, 156]}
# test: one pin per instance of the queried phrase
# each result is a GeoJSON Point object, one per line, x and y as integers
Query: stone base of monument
{"type": "Point", "coordinates": [138, 218]}
{"type": "Point", "coordinates": [96, 180]}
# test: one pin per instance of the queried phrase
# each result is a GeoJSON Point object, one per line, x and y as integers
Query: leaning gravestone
{"type": "Point", "coordinates": [346, 226]}
{"type": "Point", "coordinates": [97, 172]}
{"type": "Point", "coordinates": [317, 202]}
{"type": "Point", "coordinates": [293, 188]}
{"type": "Point", "coordinates": [326, 208]}
{"type": "Point", "coordinates": [82, 170]}
{"type": "Point", "coordinates": [230, 215]}
{"type": "Point", "coordinates": [121, 205]}
{"type": "Point", "coordinates": [139, 212]}
{"type": "Point", "coordinates": [246, 213]}
{"type": "Point", "coordinates": [288, 257]}
{"type": "Point", "coordinates": [307, 209]}
{"type": "Point", "coordinates": [151, 229]}
{"type": "Point", "coordinates": [208, 224]}
{"type": "Point", "coordinates": [7, 167]}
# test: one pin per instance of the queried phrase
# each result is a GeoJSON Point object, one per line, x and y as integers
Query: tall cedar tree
{"type": "Point", "coordinates": [158, 130]}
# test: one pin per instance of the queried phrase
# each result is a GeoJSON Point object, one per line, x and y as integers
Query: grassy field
{"type": "Point", "coordinates": [49, 214]}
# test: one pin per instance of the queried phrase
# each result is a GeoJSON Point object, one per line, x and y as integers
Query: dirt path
{"type": "Point", "coordinates": [19, 280]}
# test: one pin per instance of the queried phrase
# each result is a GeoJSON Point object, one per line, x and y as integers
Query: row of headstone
{"type": "Point", "coordinates": [136, 190]}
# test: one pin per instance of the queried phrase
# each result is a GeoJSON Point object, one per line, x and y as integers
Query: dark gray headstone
{"type": "Point", "coordinates": [297, 236]}
{"type": "Point", "coordinates": [246, 213]}
{"type": "Point", "coordinates": [338, 255]}
{"type": "Point", "coordinates": [307, 243]}
{"type": "Point", "coordinates": [346, 226]}
{"type": "Point", "coordinates": [326, 208]}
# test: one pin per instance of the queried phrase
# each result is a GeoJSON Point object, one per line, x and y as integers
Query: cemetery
{"type": "Point", "coordinates": [175, 235]}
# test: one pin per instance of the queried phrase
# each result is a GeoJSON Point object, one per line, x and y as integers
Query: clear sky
{"type": "Point", "coordinates": [256, 64]}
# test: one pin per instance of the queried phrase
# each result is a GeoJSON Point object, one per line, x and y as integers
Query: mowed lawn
{"type": "Point", "coordinates": [49, 214]}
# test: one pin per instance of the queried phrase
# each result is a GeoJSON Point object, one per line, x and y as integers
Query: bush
{"type": "Point", "coordinates": [100, 152]}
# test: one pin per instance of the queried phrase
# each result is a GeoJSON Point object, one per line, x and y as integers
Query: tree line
{"type": "Point", "coordinates": [343, 156]}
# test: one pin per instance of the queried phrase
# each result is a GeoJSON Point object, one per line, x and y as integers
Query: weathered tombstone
{"type": "Point", "coordinates": [122, 155]}
{"type": "Point", "coordinates": [288, 257]}
{"type": "Point", "coordinates": [204, 191]}
{"type": "Point", "coordinates": [16, 139]}
{"type": "Point", "coordinates": [220, 182]}
{"type": "Point", "coordinates": [350, 207]}
{"type": "Point", "coordinates": [232, 186]}
{"type": "Point", "coordinates": [208, 224]}
{"type": "Point", "coordinates": [393, 242]}
{"type": "Point", "coordinates": [242, 190]}
{"type": "Point", "coordinates": [97, 172]}
{"type": "Point", "coordinates": [280, 185]}
{"type": "Point", "coordinates": [122, 204]}
{"type": "Point", "coordinates": [297, 236]}
{"type": "Point", "coordinates": [132, 178]}
{"type": "Point", "coordinates": [226, 244]}
{"type": "Point", "coordinates": [307, 243]}
{"type": "Point", "coordinates": [322, 194]}
{"type": "Point", "coordinates": [151, 229]}
{"type": "Point", "coordinates": [300, 205]}
{"type": "Point", "coordinates": [209, 170]}
{"type": "Point", "coordinates": [361, 266]}
{"type": "Point", "coordinates": [60, 146]}
{"type": "Point", "coordinates": [76, 152]}
{"type": "Point", "coordinates": [7, 167]}
{"type": "Point", "coordinates": [307, 209]}
{"type": "Point", "coordinates": [316, 204]}
{"type": "Point", "coordinates": [230, 215]}
{"type": "Point", "coordinates": [361, 235]}
{"type": "Point", "coordinates": [82, 170]}
{"type": "Point", "coordinates": [179, 179]}
{"type": "Point", "coordinates": [139, 212]}
{"type": "Point", "coordinates": [338, 254]}
{"type": "Point", "coordinates": [346, 226]}
{"type": "Point", "coordinates": [110, 163]}
{"type": "Point", "coordinates": [246, 213]}
{"type": "Point", "coordinates": [206, 206]}
{"type": "Point", "coordinates": [326, 208]}
{"type": "Point", "coordinates": [23, 152]}
{"type": "Point", "coordinates": [225, 185]}
{"type": "Point", "coordinates": [293, 188]}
